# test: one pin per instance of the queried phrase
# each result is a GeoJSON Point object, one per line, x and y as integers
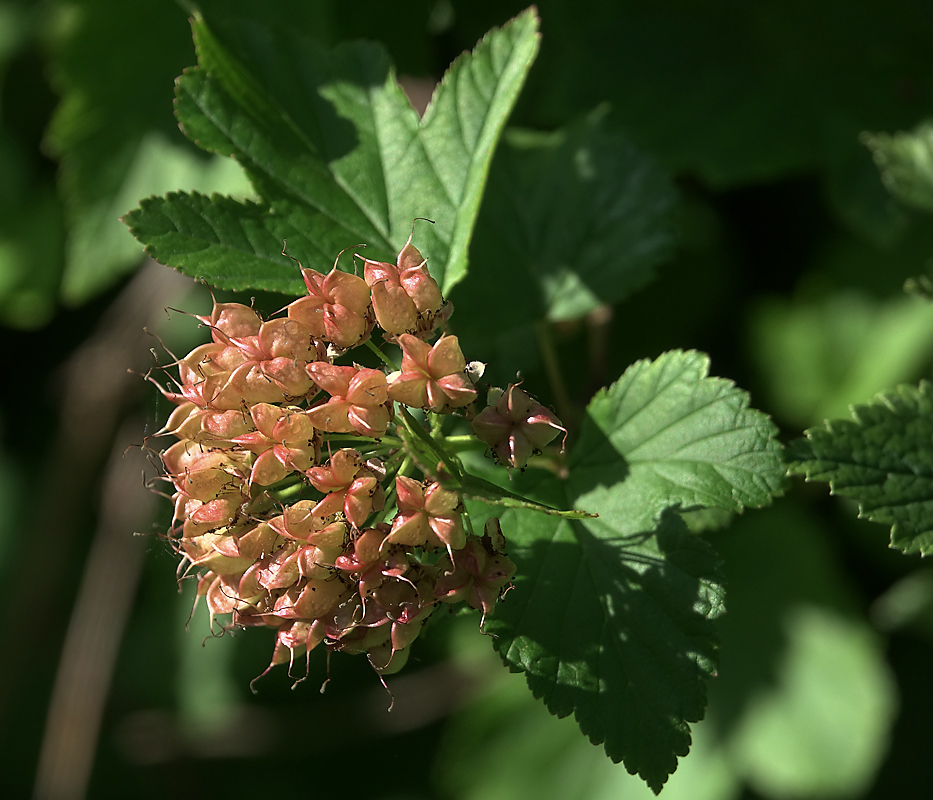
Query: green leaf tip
{"type": "Point", "coordinates": [476, 488]}
{"type": "Point", "coordinates": [880, 458]}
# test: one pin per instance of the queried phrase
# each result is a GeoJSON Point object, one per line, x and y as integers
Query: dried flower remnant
{"type": "Point", "coordinates": [285, 440]}
{"type": "Point", "coordinates": [349, 486]}
{"type": "Point", "coordinates": [304, 499]}
{"type": "Point", "coordinates": [516, 425]}
{"type": "Point", "coordinates": [406, 299]}
{"type": "Point", "coordinates": [434, 378]}
{"type": "Point", "coordinates": [359, 400]}
{"type": "Point", "coordinates": [429, 516]}
{"type": "Point", "coordinates": [338, 308]}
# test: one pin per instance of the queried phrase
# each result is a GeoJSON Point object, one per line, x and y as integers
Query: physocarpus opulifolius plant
{"type": "Point", "coordinates": [319, 497]}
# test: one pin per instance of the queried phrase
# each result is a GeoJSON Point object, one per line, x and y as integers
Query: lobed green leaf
{"type": "Point", "coordinates": [225, 242]}
{"type": "Point", "coordinates": [331, 143]}
{"type": "Point", "coordinates": [613, 625]}
{"type": "Point", "coordinates": [881, 458]}
{"type": "Point", "coordinates": [611, 617]}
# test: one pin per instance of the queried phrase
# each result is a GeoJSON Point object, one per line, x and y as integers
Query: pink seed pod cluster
{"type": "Point", "coordinates": [298, 502]}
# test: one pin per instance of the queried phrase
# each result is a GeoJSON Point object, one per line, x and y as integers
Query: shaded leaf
{"type": "Point", "coordinates": [804, 704]}
{"type": "Point", "coordinates": [816, 358]}
{"type": "Point", "coordinates": [30, 260]}
{"type": "Point", "coordinates": [526, 753]}
{"type": "Point", "coordinates": [580, 217]}
{"type": "Point", "coordinates": [833, 675]}
{"type": "Point", "coordinates": [613, 625]}
{"type": "Point", "coordinates": [737, 93]}
{"type": "Point", "coordinates": [114, 133]}
{"type": "Point", "coordinates": [572, 220]}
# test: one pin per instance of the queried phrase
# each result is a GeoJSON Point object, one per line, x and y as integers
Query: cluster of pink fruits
{"type": "Point", "coordinates": [308, 497]}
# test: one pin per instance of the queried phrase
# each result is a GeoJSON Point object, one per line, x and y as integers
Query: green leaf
{"type": "Point", "coordinates": [907, 605]}
{"type": "Point", "coordinates": [232, 240]}
{"type": "Point", "coordinates": [613, 625]}
{"type": "Point", "coordinates": [818, 357]}
{"type": "Point", "coordinates": [572, 220]}
{"type": "Point", "coordinates": [832, 675]}
{"type": "Point", "coordinates": [881, 458]}
{"type": "Point", "coordinates": [737, 93]}
{"type": "Point", "coordinates": [581, 216]}
{"type": "Point", "coordinates": [672, 435]}
{"type": "Point", "coordinates": [114, 133]}
{"type": "Point", "coordinates": [805, 703]}
{"type": "Point", "coordinates": [906, 164]}
{"type": "Point", "coordinates": [855, 192]}
{"type": "Point", "coordinates": [526, 753]}
{"type": "Point", "coordinates": [30, 259]}
{"type": "Point", "coordinates": [610, 618]}
{"type": "Point", "coordinates": [475, 488]}
{"type": "Point", "coordinates": [331, 143]}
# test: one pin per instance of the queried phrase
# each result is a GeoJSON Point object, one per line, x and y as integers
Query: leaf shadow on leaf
{"type": "Point", "coordinates": [302, 94]}
{"type": "Point", "coordinates": [595, 461]}
{"type": "Point", "coordinates": [295, 84]}
{"type": "Point", "coordinates": [589, 214]}
{"type": "Point", "coordinates": [617, 630]}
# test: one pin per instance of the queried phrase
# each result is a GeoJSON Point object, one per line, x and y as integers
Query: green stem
{"type": "Point", "coordinates": [360, 443]}
{"type": "Point", "coordinates": [390, 491]}
{"type": "Point", "coordinates": [413, 427]}
{"type": "Point", "coordinates": [405, 466]}
{"type": "Point", "coordinates": [553, 370]}
{"type": "Point", "coordinates": [382, 356]}
{"type": "Point", "coordinates": [460, 444]}
{"type": "Point", "coordinates": [288, 493]}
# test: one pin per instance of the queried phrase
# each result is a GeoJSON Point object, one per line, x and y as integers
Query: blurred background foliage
{"type": "Point", "coordinates": [788, 269]}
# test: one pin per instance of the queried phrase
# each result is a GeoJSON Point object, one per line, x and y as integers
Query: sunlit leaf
{"type": "Point", "coordinates": [329, 140]}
